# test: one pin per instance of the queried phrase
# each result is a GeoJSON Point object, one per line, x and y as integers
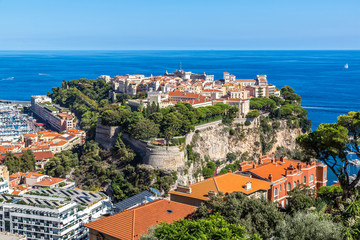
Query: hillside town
{"type": "Point", "coordinates": [36, 204]}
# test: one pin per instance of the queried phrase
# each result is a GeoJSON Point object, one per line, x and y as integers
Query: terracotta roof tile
{"type": "Point", "coordinates": [133, 223]}
{"type": "Point", "coordinates": [49, 181]}
{"type": "Point", "coordinates": [226, 183]}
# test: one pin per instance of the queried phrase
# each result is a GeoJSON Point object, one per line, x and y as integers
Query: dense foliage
{"type": "Point", "coordinates": [24, 163]}
{"type": "Point", "coordinates": [257, 216]}
{"type": "Point", "coordinates": [287, 108]}
{"type": "Point", "coordinates": [332, 143]}
{"type": "Point", "coordinates": [166, 122]}
{"type": "Point", "coordinates": [308, 226]}
{"type": "Point", "coordinates": [83, 97]}
{"type": "Point", "coordinates": [215, 228]}
{"type": "Point", "coordinates": [94, 169]}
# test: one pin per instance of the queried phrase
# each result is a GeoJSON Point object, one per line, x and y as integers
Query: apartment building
{"type": "Point", "coordinates": [285, 175]}
{"type": "Point", "coordinates": [4, 179]}
{"type": "Point", "coordinates": [58, 118]}
{"type": "Point", "coordinates": [54, 214]}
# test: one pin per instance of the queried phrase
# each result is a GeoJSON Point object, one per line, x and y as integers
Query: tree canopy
{"type": "Point", "coordinates": [331, 144]}
{"type": "Point", "coordinates": [215, 227]}
{"type": "Point", "coordinates": [167, 122]}
{"type": "Point", "coordinates": [257, 216]}
{"type": "Point", "coordinates": [24, 163]}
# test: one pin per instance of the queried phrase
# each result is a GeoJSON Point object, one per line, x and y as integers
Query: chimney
{"type": "Point", "coordinates": [184, 189]}
{"type": "Point", "coordinates": [270, 177]}
{"type": "Point", "coordinates": [299, 166]}
{"type": "Point", "coordinates": [248, 186]}
{"type": "Point", "coordinates": [240, 167]}
{"type": "Point", "coordinates": [229, 170]}
{"type": "Point", "coordinates": [211, 193]}
{"type": "Point", "coordinates": [282, 159]}
{"type": "Point", "coordinates": [254, 165]}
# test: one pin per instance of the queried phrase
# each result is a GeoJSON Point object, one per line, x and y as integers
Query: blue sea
{"type": "Point", "coordinates": [326, 87]}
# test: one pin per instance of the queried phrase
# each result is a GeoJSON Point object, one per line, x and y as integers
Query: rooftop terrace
{"type": "Point", "coordinates": [53, 198]}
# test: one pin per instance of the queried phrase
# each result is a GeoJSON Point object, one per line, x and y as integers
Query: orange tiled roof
{"type": "Point", "coordinates": [133, 223]}
{"type": "Point", "coordinates": [16, 175]}
{"type": "Point", "coordinates": [43, 155]}
{"type": "Point", "coordinates": [245, 80]}
{"type": "Point", "coordinates": [49, 181]}
{"type": "Point", "coordinates": [226, 183]}
{"type": "Point", "coordinates": [181, 94]}
{"type": "Point", "coordinates": [277, 168]}
{"type": "Point", "coordinates": [33, 175]}
{"type": "Point", "coordinates": [30, 135]}
{"type": "Point", "coordinates": [60, 143]}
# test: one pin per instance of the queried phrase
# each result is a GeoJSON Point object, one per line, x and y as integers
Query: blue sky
{"type": "Point", "coordinates": [185, 24]}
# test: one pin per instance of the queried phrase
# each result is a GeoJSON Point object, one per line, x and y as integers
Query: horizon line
{"type": "Point", "coordinates": [179, 49]}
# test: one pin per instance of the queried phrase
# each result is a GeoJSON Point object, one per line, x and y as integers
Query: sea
{"type": "Point", "coordinates": [328, 89]}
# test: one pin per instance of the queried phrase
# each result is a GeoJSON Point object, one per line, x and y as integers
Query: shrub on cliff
{"type": "Point", "coordinates": [253, 114]}
{"type": "Point", "coordinates": [145, 129]}
{"type": "Point", "coordinates": [213, 228]}
{"type": "Point", "coordinates": [308, 226]}
{"type": "Point", "coordinates": [257, 216]}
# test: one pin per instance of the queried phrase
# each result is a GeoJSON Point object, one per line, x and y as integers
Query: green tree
{"type": "Point", "coordinates": [253, 114]}
{"type": "Point", "coordinates": [307, 226]}
{"type": "Point", "coordinates": [231, 157]}
{"type": "Point", "coordinates": [24, 163]}
{"type": "Point", "coordinates": [257, 216]}
{"type": "Point", "coordinates": [330, 144]}
{"type": "Point", "coordinates": [12, 162]}
{"type": "Point", "coordinates": [27, 161]}
{"type": "Point", "coordinates": [301, 198]}
{"type": "Point", "coordinates": [145, 129]}
{"type": "Point", "coordinates": [124, 153]}
{"type": "Point", "coordinates": [213, 228]}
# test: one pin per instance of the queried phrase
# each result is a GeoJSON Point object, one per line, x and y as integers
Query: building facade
{"type": "Point", "coordinates": [58, 118]}
{"type": "Point", "coordinates": [285, 175]}
{"type": "Point", "coordinates": [54, 214]}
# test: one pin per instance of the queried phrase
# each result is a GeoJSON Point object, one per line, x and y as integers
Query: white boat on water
{"type": "Point", "coordinates": [346, 66]}
{"type": "Point", "coordinates": [355, 162]}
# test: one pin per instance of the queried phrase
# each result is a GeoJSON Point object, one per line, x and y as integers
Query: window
{"type": "Point", "coordinates": [280, 188]}
{"type": "Point", "coordinates": [288, 187]}
{"type": "Point", "coordinates": [276, 193]}
{"type": "Point", "coordinates": [304, 180]}
{"type": "Point", "coordinates": [311, 179]}
{"type": "Point", "coordinates": [294, 185]}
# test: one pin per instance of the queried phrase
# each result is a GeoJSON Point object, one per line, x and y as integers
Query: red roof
{"type": "Point", "coordinates": [133, 223]}
{"type": "Point", "coordinates": [49, 181]}
{"type": "Point", "coordinates": [39, 156]}
{"type": "Point", "coordinates": [181, 94]}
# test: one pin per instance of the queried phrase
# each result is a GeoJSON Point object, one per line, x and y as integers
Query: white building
{"type": "Point", "coordinates": [54, 214]}
{"type": "Point", "coordinates": [106, 78]}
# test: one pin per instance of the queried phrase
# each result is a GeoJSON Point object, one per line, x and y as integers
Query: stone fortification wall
{"type": "Point", "coordinates": [171, 157]}
{"type": "Point", "coordinates": [106, 135]}
{"type": "Point", "coordinates": [162, 157]}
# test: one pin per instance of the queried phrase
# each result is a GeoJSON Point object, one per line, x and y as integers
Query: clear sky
{"type": "Point", "coordinates": [185, 24]}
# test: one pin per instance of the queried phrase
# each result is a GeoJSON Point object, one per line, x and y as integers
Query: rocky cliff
{"type": "Point", "coordinates": [215, 141]}
{"type": "Point", "coordinates": [212, 142]}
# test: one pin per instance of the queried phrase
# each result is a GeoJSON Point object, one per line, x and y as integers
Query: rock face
{"type": "Point", "coordinates": [216, 142]}
{"type": "Point", "coordinates": [212, 141]}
